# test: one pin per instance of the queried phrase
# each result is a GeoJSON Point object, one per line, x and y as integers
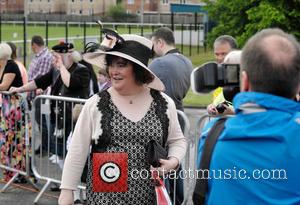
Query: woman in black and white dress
{"type": "Point", "coordinates": [123, 119]}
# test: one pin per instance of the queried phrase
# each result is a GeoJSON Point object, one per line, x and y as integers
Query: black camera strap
{"type": "Point", "coordinates": [210, 142]}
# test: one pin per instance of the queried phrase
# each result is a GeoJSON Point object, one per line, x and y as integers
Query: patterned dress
{"type": "Point", "coordinates": [122, 135]}
{"type": "Point", "coordinates": [12, 134]}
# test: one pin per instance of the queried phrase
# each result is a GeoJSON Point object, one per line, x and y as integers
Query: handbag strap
{"type": "Point", "coordinates": [210, 142]}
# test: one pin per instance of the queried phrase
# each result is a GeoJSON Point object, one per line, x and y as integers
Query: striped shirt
{"type": "Point", "coordinates": [40, 64]}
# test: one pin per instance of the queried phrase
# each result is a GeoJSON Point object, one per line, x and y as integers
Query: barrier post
{"type": "Point", "coordinates": [194, 143]}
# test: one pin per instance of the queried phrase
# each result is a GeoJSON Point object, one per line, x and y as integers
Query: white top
{"type": "Point", "coordinates": [88, 127]}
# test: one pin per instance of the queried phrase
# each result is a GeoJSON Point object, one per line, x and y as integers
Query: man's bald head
{"type": "Point", "coordinates": [285, 51]}
{"type": "Point", "coordinates": [271, 59]}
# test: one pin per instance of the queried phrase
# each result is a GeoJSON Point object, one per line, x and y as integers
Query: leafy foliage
{"type": "Point", "coordinates": [242, 19]}
{"type": "Point", "coordinates": [118, 13]}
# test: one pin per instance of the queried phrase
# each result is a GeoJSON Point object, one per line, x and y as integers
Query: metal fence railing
{"type": "Point", "coordinates": [53, 121]}
{"type": "Point", "coordinates": [192, 154]}
{"type": "Point", "coordinates": [188, 37]}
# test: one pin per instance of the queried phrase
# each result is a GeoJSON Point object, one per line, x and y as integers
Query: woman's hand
{"type": "Point", "coordinates": [14, 90]}
{"type": "Point", "coordinates": [66, 197]}
{"type": "Point", "coordinates": [167, 165]}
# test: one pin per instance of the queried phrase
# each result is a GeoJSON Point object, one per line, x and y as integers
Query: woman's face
{"type": "Point", "coordinates": [121, 74]}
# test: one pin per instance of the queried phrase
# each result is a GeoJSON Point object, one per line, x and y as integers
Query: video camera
{"type": "Point", "coordinates": [211, 75]}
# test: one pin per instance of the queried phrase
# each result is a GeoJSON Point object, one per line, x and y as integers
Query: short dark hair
{"type": "Point", "coordinates": [38, 40]}
{"type": "Point", "coordinates": [141, 75]}
{"type": "Point", "coordinates": [271, 59]}
{"type": "Point", "coordinates": [227, 39]}
{"type": "Point", "coordinates": [13, 50]}
{"type": "Point", "coordinates": [165, 34]}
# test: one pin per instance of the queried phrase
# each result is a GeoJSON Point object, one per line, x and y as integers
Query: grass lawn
{"type": "Point", "coordinates": [196, 100]}
{"type": "Point", "coordinates": [14, 32]}
{"type": "Point", "coordinates": [192, 99]}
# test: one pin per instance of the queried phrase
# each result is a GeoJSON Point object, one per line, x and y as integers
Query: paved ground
{"type": "Point", "coordinates": [24, 194]}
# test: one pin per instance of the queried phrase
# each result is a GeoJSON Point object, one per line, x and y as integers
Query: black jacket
{"type": "Point", "coordinates": [78, 88]}
{"type": "Point", "coordinates": [79, 82]}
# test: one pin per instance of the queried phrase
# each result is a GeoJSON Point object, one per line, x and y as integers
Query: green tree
{"type": "Point", "coordinates": [242, 19]}
{"type": "Point", "coordinates": [118, 13]}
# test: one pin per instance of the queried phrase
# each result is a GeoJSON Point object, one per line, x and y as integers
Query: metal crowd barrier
{"type": "Point", "coordinates": [185, 161]}
{"type": "Point", "coordinates": [14, 139]}
{"type": "Point", "coordinates": [193, 151]}
{"type": "Point", "coordinates": [52, 121]}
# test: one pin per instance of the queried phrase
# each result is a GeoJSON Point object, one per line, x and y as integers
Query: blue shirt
{"type": "Point", "coordinates": [256, 159]}
{"type": "Point", "coordinates": [174, 70]}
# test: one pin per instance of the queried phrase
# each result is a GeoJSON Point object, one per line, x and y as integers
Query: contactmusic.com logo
{"type": "Point", "coordinates": [110, 172]}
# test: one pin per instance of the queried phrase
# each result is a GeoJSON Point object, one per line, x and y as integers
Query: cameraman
{"type": "Point", "coordinates": [222, 103]}
{"type": "Point", "coordinates": [264, 133]}
{"type": "Point", "coordinates": [223, 45]}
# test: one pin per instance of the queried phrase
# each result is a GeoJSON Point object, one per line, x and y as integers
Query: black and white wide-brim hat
{"type": "Point", "coordinates": [134, 48]}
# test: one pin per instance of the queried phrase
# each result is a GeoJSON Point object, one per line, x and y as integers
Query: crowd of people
{"type": "Point", "coordinates": [131, 103]}
{"type": "Point", "coordinates": [56, 72]}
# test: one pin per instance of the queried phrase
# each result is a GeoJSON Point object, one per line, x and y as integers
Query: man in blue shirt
{"type": "Point", "coordinates": [256, 159]}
